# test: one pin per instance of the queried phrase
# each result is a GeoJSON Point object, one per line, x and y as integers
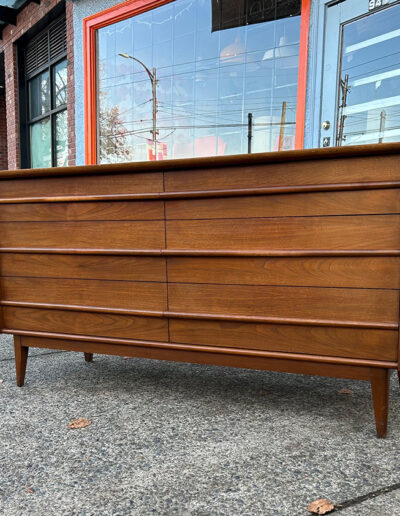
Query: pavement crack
{"type": "Point", "coordinates": [368, 496]}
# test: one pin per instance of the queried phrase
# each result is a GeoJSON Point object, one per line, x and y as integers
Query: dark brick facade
{"type": "Point", "coordinates": [3, 132]}
{"type": "Point", "coordinates": [27, 19]}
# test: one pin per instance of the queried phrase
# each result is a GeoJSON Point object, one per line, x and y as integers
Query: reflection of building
{"type": "Point", "coordinates": [216, 62]}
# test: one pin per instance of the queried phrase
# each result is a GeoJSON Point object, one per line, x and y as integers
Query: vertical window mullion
{"type": "Point", "coordinates": [52, 125]}
{"type": "Point", "coordinates": [28, 153]}
{"type": "Point", "coordinates": [52, 129]}
{"type": "Point", "coordinates": [51, 102]}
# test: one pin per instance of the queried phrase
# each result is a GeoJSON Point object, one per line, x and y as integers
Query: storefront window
{"type": "Point", "coordinates": [198, 78]}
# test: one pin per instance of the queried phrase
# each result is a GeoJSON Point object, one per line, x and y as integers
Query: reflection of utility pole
{"type": "Point", "coordinates": [282, 130]}
{"type": "Point", "coordinates": [382, 126]}
{"type": "Point", "coordinates": [153, 79]}
{"type": "Point", "coordinates": [344, 84]}
{"type": "Point", "coordinates": [249, 131]}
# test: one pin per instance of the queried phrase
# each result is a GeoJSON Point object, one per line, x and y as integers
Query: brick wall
{"type": "Point", "coordinates": [27, 19]}
{"type": "Point", "coordinates": [3, 132]}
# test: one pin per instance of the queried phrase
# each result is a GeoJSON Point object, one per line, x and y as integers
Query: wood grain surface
{"type": "Point", "coordinates": [273, 361]}
{"type": "Point", "coordinates": [85, 323]}
{"type": "Point", "coordinates": [358, 272]}
{"type": "Point", "coordinates": [292, 302]}
{"type": "Point", "coordinates": [83, 184]}
{"type": "Point", "coordinates": [282, 261]}
{"type": "Point", "coordinates": [342, 342]}
{"type": "Point", "coordinates": [128, 268]}
{"type": "Point", "coordinates": [81, 292]}
{"type": "Point", "coordinates": [362, 202]}
{"type": "Point", "coordinates": [350, 232]}
{"type": "Point", "coordinates": [99, 234]}
{"type": "Point", "coordinates": [380, 168]}
{"type": "Point", "coordinates": [82, 211]}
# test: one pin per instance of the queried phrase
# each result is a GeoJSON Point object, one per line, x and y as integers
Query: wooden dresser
{"type": "Point", "coordinates": [284, 261]}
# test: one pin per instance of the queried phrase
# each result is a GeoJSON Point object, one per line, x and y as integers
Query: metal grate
{"type": "Point", "coordinates": [45, 47]}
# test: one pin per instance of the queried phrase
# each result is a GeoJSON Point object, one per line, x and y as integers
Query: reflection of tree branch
{"type": "Point", "coordinates": [61, 91]}
{"type": "Point", "coordinates": [61, 139]}
{"type": "Point", "coordinates": [113, 146]}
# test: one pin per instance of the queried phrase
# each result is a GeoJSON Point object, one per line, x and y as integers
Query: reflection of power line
{"type": "Point", "coordinates": [236, 108]}
{"type": "Point", "coordinates": [360, 123]}
{"type": "Point", "coordinates": [180, 116]}
{"type": "Point", "coordinates": [225, 101]}
{"type": "Point", "coordinates": [175, 75]}
{"type": "Point", "coordinates": [214, 126]}
{"type": "Point", "coordinates": [199, 61]}
{"type": "Point", "coordinates": [369, 61]}
{"type": "Point", "coordinates": [367, 131]}
{"type": "Point", "coordinates": [231, 97]}
{"type": "Point", "coordinates": [225, 115]}
{"type": "Point", "coordinates": [136, 106]}
{"type": "Point", "coordinates": [368, 74]}
{"type": "Point", "coordinates": [214, 112]}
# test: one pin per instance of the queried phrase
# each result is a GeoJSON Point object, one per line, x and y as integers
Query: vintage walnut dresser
{"type": "Point", "coordinates": [284, 261]}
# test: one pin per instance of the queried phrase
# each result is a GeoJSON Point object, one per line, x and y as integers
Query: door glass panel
{"type": "Point", "coordinates": [60, 84]}
{"type": "Point", "coordinates": [61, 139]}
{"type": "Point", "coordinates": [39, 95]}
{"type": "Point", "coordinates": [369, 89]}
{"type": "Point", "coordinates": [41, 144]}
{"type": "Point", "coordinates": [215, 63]}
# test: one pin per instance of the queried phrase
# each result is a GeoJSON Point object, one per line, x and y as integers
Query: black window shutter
{"type": "Point", "coordinates": [46, 47]}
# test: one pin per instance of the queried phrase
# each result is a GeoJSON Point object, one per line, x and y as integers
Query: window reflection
{"type": "Point", "coordinates": [41, 143]}
{"type": "Point", "coordinates": [60, 84]}
{"type": "Point", "coordinates": [369, 103]}
{"type": "Point", "coordinates": [208, 81]}
{"type": "Point", "coordinates": [39, 95]}
{"type": "Point", "coordinates": [61, 139]}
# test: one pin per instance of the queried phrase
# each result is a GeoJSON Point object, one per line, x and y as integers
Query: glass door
{"type": "Point", "coordinates": [361, 74]}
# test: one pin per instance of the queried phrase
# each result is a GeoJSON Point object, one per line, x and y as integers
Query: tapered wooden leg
{"type": "Point", "coordinates": [380, 397]}
{"type": "Point", "coordinates": [88, 357]}
{"type": "Point", "coordinates": [21, 357]}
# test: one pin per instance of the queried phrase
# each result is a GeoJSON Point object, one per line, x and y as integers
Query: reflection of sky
{"type": "Point", "coordinates": [207, 82]}
{"type": "Point", "coordinates": [14, 4]}
{"type": "Point", "coordinates": [371, 58]}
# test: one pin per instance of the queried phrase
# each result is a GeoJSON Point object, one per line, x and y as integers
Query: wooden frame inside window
{"type": "Point", "coordinates": [133, 7]}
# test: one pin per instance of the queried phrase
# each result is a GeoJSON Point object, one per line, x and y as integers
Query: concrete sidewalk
{"type": "Point", "coordinates": [182, 439]}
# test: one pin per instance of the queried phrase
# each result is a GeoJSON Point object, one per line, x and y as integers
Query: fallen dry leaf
{"type": "Point", "coordinates": [345, 391]}
{"type": "Point", "coordinates": [29, 490]}
{"type": "Point", "coordinates": [321, 506]}
{"type": "Point", "coordinates": [79, 423]}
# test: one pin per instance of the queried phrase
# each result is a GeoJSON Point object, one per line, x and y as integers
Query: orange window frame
{"type": "Point", "coordinates": [133, 7]}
